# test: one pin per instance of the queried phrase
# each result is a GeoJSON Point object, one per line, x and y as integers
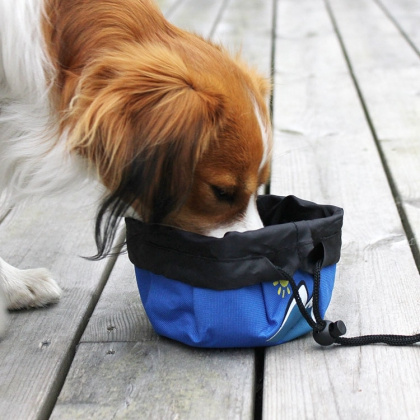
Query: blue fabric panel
{"type": "Point", "coordinates": [264, 314]}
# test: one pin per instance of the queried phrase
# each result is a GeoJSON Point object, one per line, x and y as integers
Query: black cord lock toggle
{"type": "Point", "coordinates": [329, 334]}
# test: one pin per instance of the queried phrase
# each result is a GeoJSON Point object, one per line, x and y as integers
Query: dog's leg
{"type": "Point", "coordinates": [27, 288]}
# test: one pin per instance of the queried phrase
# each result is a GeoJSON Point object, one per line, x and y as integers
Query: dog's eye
{"type": "Point", "coordinates": [223, 194]}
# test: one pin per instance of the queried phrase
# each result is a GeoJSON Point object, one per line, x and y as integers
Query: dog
{"type": "Point", "coordinates": [176, 129]}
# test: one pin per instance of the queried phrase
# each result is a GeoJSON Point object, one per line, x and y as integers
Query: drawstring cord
{"type": "Point", "coordinates": [326, 332]}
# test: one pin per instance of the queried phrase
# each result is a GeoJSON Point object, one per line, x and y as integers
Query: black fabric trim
{"type": "Point", "coordinates": [296, 233]}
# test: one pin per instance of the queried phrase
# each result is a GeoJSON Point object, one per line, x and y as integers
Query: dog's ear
{"type": "Point", "coordinates": [143, 118]}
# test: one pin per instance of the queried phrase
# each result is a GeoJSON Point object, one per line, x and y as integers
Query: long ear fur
{"type": "Point", "coordinates": [143, 119]}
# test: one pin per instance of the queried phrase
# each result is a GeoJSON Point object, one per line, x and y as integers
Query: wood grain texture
{"type": "Point", "coordinates": [155, 380]}
{"type": "Point", "coordinates": [198, 16]}
{"type": "Point", "coordinates": [387, 70]}
{"type": "Point", "coordinates": [169, 6]}
{"type": "Point", "coordinates": [246, 27]}
{"type": "Point", "coordinates": [165, 379]}
{"type": "Point", "coordinates": [36, 353]}
{"type": "Point", "coordinates": [325, 152]}
{"type": "Point", "coordinates": [119, 315]}
{"type": "Point", "coordinates": [406, 16]}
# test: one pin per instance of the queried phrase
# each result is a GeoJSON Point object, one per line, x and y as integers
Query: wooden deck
{"type": "Point", "coordinates": [346, 116]}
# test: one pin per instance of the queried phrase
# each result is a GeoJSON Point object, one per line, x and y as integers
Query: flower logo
{"type": "Point", "coordinates": [283, 287]}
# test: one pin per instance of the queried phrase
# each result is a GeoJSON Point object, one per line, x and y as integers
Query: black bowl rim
{"type": "Point", "coordinates": [297, 233]}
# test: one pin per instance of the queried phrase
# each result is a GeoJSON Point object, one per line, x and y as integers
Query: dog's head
{"type": "Point", "coordinates": [179, 133]}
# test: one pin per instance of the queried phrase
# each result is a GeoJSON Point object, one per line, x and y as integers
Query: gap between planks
{"type": "Point", "coordinates": [414, 246]}
{"type": "Point", "coordinates": [67, 361]}
{"type": "Point", "coordinates": [398, 26]}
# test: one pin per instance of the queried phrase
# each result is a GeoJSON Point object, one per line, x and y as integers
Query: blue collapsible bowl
{"type": "Point", "coordinates": [233, 291]}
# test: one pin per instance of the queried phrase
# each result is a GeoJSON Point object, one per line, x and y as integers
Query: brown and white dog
{"type": "Point", "coordinates": [174, 128]}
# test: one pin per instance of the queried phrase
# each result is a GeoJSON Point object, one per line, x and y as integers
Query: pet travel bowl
{"type": "Point", "coordinates": [235, 291]}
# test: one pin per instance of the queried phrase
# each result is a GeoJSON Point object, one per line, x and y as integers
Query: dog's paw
{"type": "Point", "coordinates": [28, 288]}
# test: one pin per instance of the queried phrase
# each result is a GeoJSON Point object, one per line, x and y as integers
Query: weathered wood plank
{"type": "Point", "coordinates": [169, 6]}
{"type": "Point", "coordinates": [176, 386]}
{"type": "Point", "coordinates": [119, 315]}
{"type": "Point", "coordinates": [155, 380]}
{"type": "Point", "coordinates": [246, 26]}
{"type": "Point", "coordinates": [389, 80]}
{"type": "Point", "coordinates": [37, 351]}
{"type": "Point", "coordinates": [325, 152]}
{"type": "Point", "coordinates": [406, 15]}
{"type": "Point", "coordinates": [198, 16]}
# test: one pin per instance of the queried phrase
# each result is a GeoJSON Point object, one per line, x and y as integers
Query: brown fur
{"type": "Point", "coordinates": [132, 89]}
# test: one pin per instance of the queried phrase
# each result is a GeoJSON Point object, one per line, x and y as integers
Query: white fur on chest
{"type": "Point", "coordinates": [32, 161]}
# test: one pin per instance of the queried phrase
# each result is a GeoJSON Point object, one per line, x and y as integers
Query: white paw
{"type": "Point", "coordinates": [28, 288]}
